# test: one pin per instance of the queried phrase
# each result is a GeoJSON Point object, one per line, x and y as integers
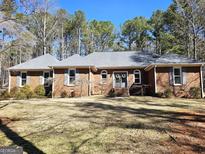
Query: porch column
{"type": "Point", "coordinates": [202, 85]}
{"type": "Point", "coordinates": [9, 86]}
{"type": "Point", "coordinates": [155, 79]}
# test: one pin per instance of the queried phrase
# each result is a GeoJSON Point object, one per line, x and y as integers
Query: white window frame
{"type": "Point", "coordinates": [44, 77]}
{"type": "Point", "coordinates": [21, 78]}
{"type": "Point", "coordinates": [71, 69]}
{"type": "Point", "coordinates": [140, 77]}
{"type": "Point", "coordinates": [103, 72]}
{"type": "Point", "coordinates": [113, 78]}
{"type": "Point", "coordinates": [181, 76]}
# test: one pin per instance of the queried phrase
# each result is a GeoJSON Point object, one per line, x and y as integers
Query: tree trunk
{"type": "Point", "coordinates": [62, 42]}
{"type": "Point", "coordinates": [79, 41]}
{"type": "Point", "coordinates": [44, 27]}
{"type": "Point", "coordinates": [194, 47]}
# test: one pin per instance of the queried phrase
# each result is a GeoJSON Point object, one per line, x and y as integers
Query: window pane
{"type": "Point", "coordinates": [177, 80]}
{"type": "Point", "coordinates": [137, 80]}
{"type": "Point", "coordinates": [72, 80]}
{"type": "Point", "coordinates": [46, 75]}
{"type": "Point", "coordinates": [23, 79]}
{"type": "Point", "coordinates": [104, 76]}
{"type": "Point", "coordinates": [23, 75]}
{"type": "Point", "coordinates": [72, 72]}
{"type": "Point", "coordinates": [23, 82]}
{"type": "Point", "coordinates": [176, 71]}
{"type": "Point", "coordinates": [137, 76]}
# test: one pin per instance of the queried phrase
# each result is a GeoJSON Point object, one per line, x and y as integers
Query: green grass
{"type": "Point", "coordinates": [101, 125]}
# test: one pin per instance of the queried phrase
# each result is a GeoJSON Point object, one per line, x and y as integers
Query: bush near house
{"type": "Point", "coordinates": [27, 91]}
{"type": "Point", "coordinates": [40, 91]}
{"type": "Point", "coordinates": [14, 91]}
{"type": "Point", "coordinates": [5, 95]}
{"type": "Point", "coordinates": [195, 92]}
{"type": "Point", "coordinates": [118, 92]}
{"type": "Point", "coordinates": [20, 96]}
{"type": "Point", "coordinates": [64, 94]}
{"type": "Point", "coordinates": [168, 93]}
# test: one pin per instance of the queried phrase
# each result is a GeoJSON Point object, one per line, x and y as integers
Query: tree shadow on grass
{"type": "Point", "coordinates": [157, 118]}
{"type": "Point", "coordinates": [18, 140]}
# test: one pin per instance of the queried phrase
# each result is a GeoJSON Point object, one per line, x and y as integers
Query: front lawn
{"type": "Point", "coordinates": [104, 125]}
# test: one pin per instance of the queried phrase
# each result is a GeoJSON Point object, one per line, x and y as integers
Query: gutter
{"type": "Point", "coordinates": [202, 81]}
{"type": "Point", "coordinates": [155, 79]}
{"type": "Point", "coordinates": [149, 67]}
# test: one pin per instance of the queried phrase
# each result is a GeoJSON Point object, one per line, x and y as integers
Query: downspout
{"type": "Point", "coordinates": [202, 85]}
{"type": "Point", "coordinates": [9, 86]}
{"type": "Point", "coordinates": [53, 83]}
{"type": "Point", "coordinates": [155, 80]}
{"type": "Point", "coordinates": [89, 82]}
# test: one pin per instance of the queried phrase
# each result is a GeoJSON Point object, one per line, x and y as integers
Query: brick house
{"type": "Point", "coordinates": [105, 73]}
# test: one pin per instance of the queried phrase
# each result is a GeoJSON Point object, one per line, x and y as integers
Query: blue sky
{"type": "Point", "coordinates": [116, 11]}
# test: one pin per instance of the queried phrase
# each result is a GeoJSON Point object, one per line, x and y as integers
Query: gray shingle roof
{"type": "Point", "coordinates": [75, 61]}
{"type": "Point", "coordinates": [38, 63]}
{"type": "Point", "coordinates": [121, 59]}
{"type": "Point", "coordinates": [173, 59]}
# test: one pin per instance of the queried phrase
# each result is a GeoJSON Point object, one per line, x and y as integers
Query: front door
{"type": "Point", "coordinates": [48, 83]}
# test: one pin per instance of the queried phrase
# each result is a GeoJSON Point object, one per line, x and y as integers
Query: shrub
{"type": "Point", "coordinates": [27, 91]}
{"type": "Point", "coordinates": [195, 92]}
{"type": "Point", "coordinates": [168, 93]}
{"type": "Point", "coordinates": [64, 94]}
{"type": "Point", "coordinates": [40, 91]}
{"type": "Point", "coordinates": [112, 93]}
{"type": "Point", "coordinates": [14, 91]}
{"type": "Point", "coordinates": [5, 95]}
{"type": "Point", "coordinates": [19, 95]}
{"type": "Point", "coordinates": [160, 94]}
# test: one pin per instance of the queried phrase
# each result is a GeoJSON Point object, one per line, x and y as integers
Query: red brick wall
{"type": "Point", "coordinates": [98, 88]}
{"type": "Point", "coordinates": [192, 80]}
{"type": "Point", "coordinates": [78, 89]}
{"type": "Point", "coordinates": [151, 81]}
{"type": "Point", "coordinates": [34, 79]}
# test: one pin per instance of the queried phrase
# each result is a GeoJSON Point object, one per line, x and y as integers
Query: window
{"type": "Point", "coordinates": [177, 76]}
{"type": "Point", "coordinates": [104, 75]}
{"type": "Point", "coordinates": [137, 77]}
{"type": "Point", "coordinates": [46, 76]}
{"type": "Point", "coordinates": [72, 76]}
{"type": "Point", "coordinates": [23, 78]}
{"type": "Point", "coordinates": [120, 80]}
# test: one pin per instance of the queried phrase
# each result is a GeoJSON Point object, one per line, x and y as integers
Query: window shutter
{"type": "Point", "coordinates": [171, 80]}
{"type": "Point", "coordinates": [66, 77]}
{"type": "Point", "coordinates": [113, 80]}
{"type": "Point", "coordinates": [51, 74]}
{"type": "Point", "coordinates": [77, 75]}
{"type": "Point", "coordinates": [41, 79]}
{"type": "Point", "coordinates": [184, 76]}
{"type": "Point", "coordinates": [27, 79]}
{"type": "Point", "coordinates": [18, 80]}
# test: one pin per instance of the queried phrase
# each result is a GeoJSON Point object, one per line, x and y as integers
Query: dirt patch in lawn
{"type": "Point", "coordinates": [188, 135]}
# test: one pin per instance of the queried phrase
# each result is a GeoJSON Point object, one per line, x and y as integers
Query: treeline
{"type": "Point", "coordinates": [33, 28]}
